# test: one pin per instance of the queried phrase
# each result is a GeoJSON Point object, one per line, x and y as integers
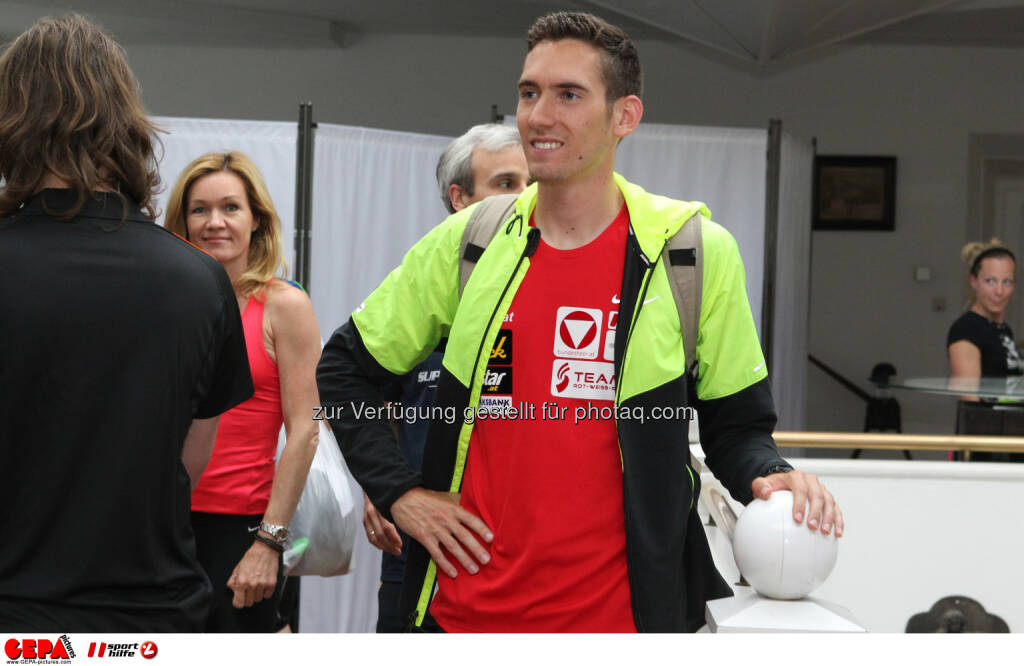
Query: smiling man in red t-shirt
{"type": "Point", "coordinates": [553, 510]}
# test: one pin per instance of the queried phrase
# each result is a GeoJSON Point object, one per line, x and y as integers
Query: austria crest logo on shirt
{"type": "Point", "coordinates": [578, 332]}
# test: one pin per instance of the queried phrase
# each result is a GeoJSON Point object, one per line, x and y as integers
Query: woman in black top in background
{"type": "Point", "coordinates": [981, 344]}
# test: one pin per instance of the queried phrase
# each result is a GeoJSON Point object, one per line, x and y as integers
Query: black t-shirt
{"type": "Point", "coordinates": [113, 337]}
{"type": "Point", "coordinates": [999, 355]}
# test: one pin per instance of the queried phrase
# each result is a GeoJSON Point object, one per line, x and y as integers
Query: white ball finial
{"type": "Point", "coordinates": [780, 558]}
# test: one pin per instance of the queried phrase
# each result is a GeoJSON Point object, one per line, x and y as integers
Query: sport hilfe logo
{"type": "Point", "coordinates": [39, 649]}
{"type": "Point", "coordinates": [146, 649]}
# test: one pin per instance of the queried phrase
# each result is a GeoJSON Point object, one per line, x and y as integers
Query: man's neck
{"type": "Point", "coordinates": [571, 214]}
{"type": "Point", "coordinates": [52, 180]}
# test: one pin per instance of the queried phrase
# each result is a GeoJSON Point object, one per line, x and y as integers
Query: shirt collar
{"type": "Point", "coordinates": [53, 202]}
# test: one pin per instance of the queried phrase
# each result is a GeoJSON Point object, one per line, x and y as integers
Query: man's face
{"type": "Point", "coordinates": [498, 172]}
{"type": "Point", "coordinates": [567, 126]}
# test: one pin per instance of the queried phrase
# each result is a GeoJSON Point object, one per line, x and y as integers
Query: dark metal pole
{"type": "Point", "coordinates": [810, 244]}
{"type": "Point", "coordinates": [304, 194]}
{"type": "Point", "coordinates": [771, 236]}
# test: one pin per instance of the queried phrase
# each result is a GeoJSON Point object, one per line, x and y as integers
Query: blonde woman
{"type": "Point", "coordinates": [241, 508]}
{"type": "Point", "coordinates": [980, 343]}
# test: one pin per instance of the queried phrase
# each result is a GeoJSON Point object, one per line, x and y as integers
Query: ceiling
{"type": "Point", "coordinates": [754, 35]}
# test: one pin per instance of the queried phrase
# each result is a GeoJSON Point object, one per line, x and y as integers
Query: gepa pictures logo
{"type": "Point", "coordinates": [19, 650]}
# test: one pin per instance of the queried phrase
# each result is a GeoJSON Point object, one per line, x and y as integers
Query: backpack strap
{"type": "Point", "coordinates": [684, 260]}
{"type": "Point", "coordinates": [482, 226]}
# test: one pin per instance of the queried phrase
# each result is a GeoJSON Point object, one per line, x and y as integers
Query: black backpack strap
{"type": "Point", "coordinates": [683, 258]}
{"type": "Point", "coordinates": [483, 224]}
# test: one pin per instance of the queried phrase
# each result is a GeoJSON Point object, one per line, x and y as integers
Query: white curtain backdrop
{"type": "Point", "coordinates": [723, 167]}
{"type": "Point", "coordinates": [374, 195]}
{"type": "Point", "coordinates": [726, 169]}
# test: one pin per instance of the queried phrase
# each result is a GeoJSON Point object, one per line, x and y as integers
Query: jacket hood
{"type": "Point", "coordinates": [653, 218]}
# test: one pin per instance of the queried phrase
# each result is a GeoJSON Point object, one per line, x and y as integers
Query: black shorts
{"type": "Point", "coordinates": [221, 541]}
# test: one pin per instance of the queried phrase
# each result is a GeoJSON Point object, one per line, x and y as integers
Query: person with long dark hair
{"type": "Point", "coordinates": [120, 345]}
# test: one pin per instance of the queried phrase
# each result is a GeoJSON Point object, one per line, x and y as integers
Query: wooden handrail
{"type": "Point", "coordinates": [899, 441]}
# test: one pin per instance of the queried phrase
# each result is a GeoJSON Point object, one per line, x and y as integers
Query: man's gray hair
{"type": "Point", "coordinates": [456, 163]}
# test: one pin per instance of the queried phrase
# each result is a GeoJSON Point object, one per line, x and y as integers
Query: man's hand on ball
{"type": "Point", "coordinates": [807, 490]}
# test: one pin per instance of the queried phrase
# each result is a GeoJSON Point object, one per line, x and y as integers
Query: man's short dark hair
{"type": "Point", "coordinates": [620, 64]}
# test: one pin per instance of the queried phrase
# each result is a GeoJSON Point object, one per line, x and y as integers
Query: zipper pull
{"type": "Point", "coordinates": [512, 222]}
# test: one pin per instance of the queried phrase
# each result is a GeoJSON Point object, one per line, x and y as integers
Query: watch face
{"type": "Point", "coordinates": [278, 532]}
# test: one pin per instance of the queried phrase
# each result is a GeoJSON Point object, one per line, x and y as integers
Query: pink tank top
{"type": "Point", "coordinates": [241, 470]}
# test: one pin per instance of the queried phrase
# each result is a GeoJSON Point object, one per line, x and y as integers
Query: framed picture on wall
{"type": "Point", "coordinates": [854, 192]}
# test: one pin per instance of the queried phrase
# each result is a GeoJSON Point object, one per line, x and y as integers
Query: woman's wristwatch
{"type": "Point", "coordinates": [279, 533]}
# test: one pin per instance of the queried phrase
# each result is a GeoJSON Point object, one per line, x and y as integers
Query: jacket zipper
{"type": "Point", "coordinates": [648, 274]}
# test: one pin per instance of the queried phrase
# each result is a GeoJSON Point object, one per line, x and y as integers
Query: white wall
{"type": "Point", "coordinates": [917, 103]}
{"type": "Point", "coordinates": [886, 573]}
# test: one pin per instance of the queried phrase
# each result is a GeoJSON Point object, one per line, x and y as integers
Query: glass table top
{"type": "Point", "coordinates": [1009, 388]}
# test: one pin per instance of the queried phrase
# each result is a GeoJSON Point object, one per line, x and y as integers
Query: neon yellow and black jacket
{"type": "Point", "coordinates": [671, 572]}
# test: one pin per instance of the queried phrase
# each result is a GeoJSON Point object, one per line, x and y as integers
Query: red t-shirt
{"type": "Point", "coordinates": [547, 479]}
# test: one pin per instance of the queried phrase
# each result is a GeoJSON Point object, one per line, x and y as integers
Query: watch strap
{"type": "Point", "coordinates": [269, 542]}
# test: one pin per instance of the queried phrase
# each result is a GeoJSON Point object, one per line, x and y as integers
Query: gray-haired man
{"type": "Point", "coordinates": [486, 160]}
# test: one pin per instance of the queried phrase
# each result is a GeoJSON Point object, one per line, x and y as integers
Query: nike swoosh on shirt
{"type": "Point", "coordinates": [759, 366]}
{"type": "Point", "coordinates": [651, 300]}
{"type": "Point", "coordinates": [616, 300]}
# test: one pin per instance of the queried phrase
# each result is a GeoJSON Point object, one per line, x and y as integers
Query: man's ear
{"type": "Point", "coordinates": [627, 113]}
{"type": "Point", "coordinates": [458, 196]}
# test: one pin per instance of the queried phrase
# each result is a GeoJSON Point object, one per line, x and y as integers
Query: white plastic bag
{"type": "Point", "coordinates": [322, 534]}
